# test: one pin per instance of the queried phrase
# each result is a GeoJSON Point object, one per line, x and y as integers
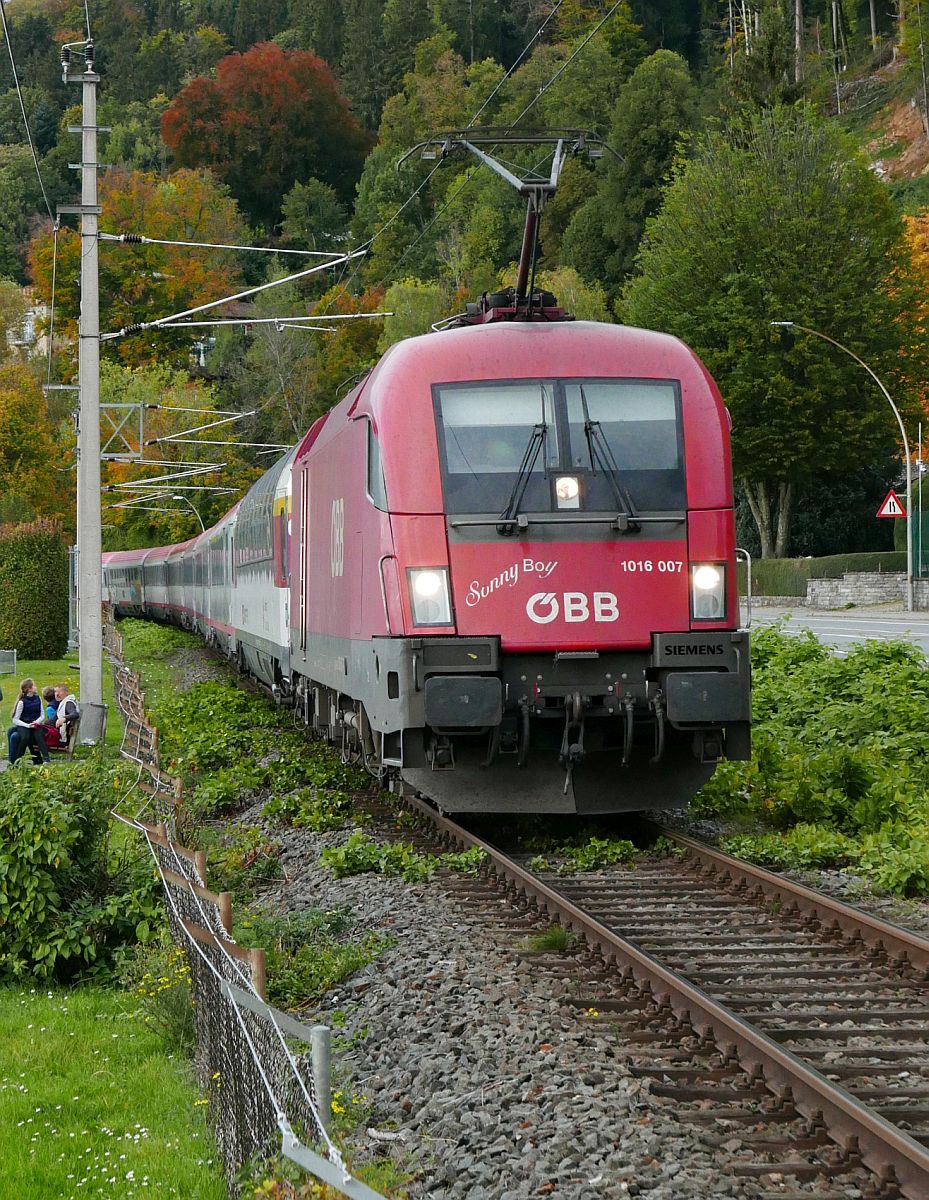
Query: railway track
{"type": "Point", "coordinates": [791, 1028]}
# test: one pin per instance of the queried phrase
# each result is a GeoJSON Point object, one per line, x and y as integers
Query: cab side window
{"type": "Point", "coordinates": [376, 488]}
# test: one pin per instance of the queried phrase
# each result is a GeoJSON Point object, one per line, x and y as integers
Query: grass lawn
{"type": "Point", "coordinates": [91, 1105]}
{"type": "Point", "coordinates": [49, 671]}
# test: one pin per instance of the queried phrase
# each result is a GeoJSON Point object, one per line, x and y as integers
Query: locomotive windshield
{"type": "Point", "coordinates": [614, 435]}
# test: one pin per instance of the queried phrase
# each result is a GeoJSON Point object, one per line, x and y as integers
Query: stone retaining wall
{"type": "Point", "coordinates": [857, 587]}
{"type": "Point", "coordinates": [776, 601]}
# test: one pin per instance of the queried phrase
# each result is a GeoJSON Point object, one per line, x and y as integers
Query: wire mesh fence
{"type": "Point", "coordinates": [7, 662]}
{"type": "Point", "coordinates": [254, 1063]}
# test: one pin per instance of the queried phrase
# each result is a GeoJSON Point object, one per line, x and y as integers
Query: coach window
{"type": "Point", "coordinates": [377, 489]}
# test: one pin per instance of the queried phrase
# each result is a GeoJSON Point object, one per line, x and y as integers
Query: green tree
{"type": "Point", "coordinates": [134, 141]}
{"type": "Point", "coordinates": [406, 23]}
{"type": "Point", "coordinates": [415, 306]}
{"type": "Point", "coordinates": [319, 25]}
{"type": "Point", "coordinates": [364, 59]}
{"type": "Point", "coordinates": [43, 118]}
{"type": "Point", "coordinates": [159, 65]}
{"type": "Point", "coordinates": [20, 198]}
{"type": "Point", "coordinates": [586, 301]}
{"type": "Point", "coordinates": [654, 108]}
{"type": "Point", "coordinates": [205, 47]}
{"type": "Point", "coordinates": [36, 478]}
{"type": "Point", "coordinates": [780, 218]}
{"type": "Point", "coordinates": [767, 75]}
{"type": "Point", "coordinates": [257, 21]}
{"type": "Point", "coordinates": [314, 217]}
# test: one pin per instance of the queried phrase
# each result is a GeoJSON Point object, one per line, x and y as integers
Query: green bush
{"type": "Point", "coordinates": [309, 952]}
{"type": "Point", "coordinates": [802, 848]}
{"type": "Point", "coordinates": [897, 858]}
{"type": "Point", "coordinates": [158, 977]}
{"type": "Point", "coordinates": [245, 861]}
{"type": "Point", "coordinates": [360, 856]}
{"type": "Point", "coordinates": [318, 809]}
{"type": "Point", "coordinates": [590, 855]}
{"type": "Point", "coordinates": [67, 903]}
{"type": "Point", "coordinates": [33, 590]}
{"type": "Point", "coordinates": [840, 760]}
{"type": "Point", "coordinates": [223, 791]}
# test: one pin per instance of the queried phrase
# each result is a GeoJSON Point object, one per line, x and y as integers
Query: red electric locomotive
{"type": "Point", "coordinates": [510, 560]}
{"type": "Point", "coordinates": [512, 569]}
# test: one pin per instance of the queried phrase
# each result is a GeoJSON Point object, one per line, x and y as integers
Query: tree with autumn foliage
{"type": "Point", "coordinates": [36, 478]}
{"type": "Point", "coordinates": [269, 118]}
{"type": "Point", "coordinates": [142, 283]}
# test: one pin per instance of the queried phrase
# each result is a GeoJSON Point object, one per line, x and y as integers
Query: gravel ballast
{"type": "Point", "coordinates": [491, 1083]}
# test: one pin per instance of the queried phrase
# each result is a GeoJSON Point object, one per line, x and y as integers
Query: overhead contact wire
{"type": "Point", "coordinates": [51, 311]}
{"type": "Point", "coordinates": [137, 239]}
{"type": "Point", "coordinates": [568, 61]}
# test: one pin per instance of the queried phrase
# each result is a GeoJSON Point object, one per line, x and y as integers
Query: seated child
{"type": "Point", "coordinates": [66, 711]}
{"type": "Point", "coordinates": [50, 729]}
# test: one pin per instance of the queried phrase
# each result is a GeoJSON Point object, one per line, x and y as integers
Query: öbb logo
{"type": "Point", "coordinates": [544, 607]}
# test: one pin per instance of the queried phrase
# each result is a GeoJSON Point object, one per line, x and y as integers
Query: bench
{"type": "Point", "coordinates": [71, 728]}
{"type": "Point", "coordinates": [72, 725]}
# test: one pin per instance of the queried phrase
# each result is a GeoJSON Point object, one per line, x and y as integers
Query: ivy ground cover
{"type": "Point", "coordinates": [840, 771]}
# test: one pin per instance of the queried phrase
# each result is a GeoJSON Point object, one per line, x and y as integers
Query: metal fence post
{"type": "Point", "coordinates": [321, 1051]}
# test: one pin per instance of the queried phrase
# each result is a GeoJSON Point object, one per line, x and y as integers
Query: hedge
{"type": "Point", "coordinates": [789, 576]}
{"type": "Point", "coordinates": [33, 590]}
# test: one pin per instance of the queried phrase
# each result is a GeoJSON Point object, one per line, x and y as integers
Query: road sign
{"type": "Point", "coordinates": [892, 506]}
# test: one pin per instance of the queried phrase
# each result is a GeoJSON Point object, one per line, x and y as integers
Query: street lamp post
{"type": "Point", "coordinates": [906, 445]}
{"type": "Point", "coordinates": [190, 505]}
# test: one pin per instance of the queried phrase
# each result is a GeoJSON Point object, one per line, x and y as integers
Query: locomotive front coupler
{"type": "Point", "coordinates": [572, 742]}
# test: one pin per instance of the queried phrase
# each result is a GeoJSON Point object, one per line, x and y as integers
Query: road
{"type": "Point", "coordinates": [843, 628]}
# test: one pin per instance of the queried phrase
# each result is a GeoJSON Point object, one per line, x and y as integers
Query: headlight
{"type": "Point", "coordinates": [708, 591]}
{"type": "Point", "coordinates": [568, 491]}
{"type": "Point", "coordinates": [429, 596]}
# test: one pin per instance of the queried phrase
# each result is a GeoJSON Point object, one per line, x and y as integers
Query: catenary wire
{"type": "Point", "coordinates": [137, 239]}
{"type": "Point", "coordinates": [157, 324]}
{"type": "Point", "coordinates": [541, 92]}
{"type": "Point", "coordinates": [568, 61]}
{"type": "Point", "coordinates": [22, 107]}
{"type": "Point", "coordinates": [51, 310]}
{"type": "Point", "coordinates": [538, 33]}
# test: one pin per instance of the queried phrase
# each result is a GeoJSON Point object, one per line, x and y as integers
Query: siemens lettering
{"type": "Point", "coordinates": [693, 651]}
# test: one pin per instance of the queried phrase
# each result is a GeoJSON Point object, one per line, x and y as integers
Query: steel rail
{"type": "Point", "coordinates": [854, 921]}
{"type": "Point", "coordinates": [887, 1150]}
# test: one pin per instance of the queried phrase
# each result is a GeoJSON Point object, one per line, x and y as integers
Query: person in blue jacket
{"type": "Point", "coordinates": [26, 731]}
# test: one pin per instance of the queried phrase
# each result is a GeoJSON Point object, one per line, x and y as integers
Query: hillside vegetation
{"type": "Point", "coordinates": [771, 167]}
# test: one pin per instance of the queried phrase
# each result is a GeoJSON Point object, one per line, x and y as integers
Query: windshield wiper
{"type": "Point", "coordinates": [601, 457]}
{"type": "Point", "coordinates": [534, 448]}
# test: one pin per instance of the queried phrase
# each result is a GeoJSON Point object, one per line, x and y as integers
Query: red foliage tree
{"type": "Point", "coordinates": [269, 119]}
